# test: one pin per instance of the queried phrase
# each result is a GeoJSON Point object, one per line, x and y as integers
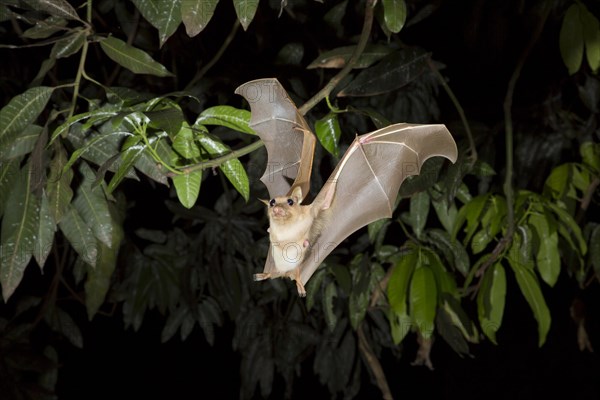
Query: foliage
{"type": "Point", "coordinates": [130, 113]}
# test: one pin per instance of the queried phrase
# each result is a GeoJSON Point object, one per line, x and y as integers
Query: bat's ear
{"type": "Point", "coordinates": [265, 202]}
{"type": "Point", "coordinates": [297, 194]}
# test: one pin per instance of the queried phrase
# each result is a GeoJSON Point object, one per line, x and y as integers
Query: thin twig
{"type": "Point", "coordinates": [374, 364]}
{"type": "Point", "coordinates": [220, 160]}
{"type": "Point", "coordinates": [216, 57]}
{"type": "Point", "coordinates": [459, 109]}
{"type": "Point", "coordinates": [358, 50]}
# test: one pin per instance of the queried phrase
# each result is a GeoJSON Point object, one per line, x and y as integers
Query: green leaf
{"type": "Point", "coordinates": [491, 299]}
{"type": "Point", "coordinates": [470, 212]}
{"type": "Point", "coordinates": [128, 159]}
{"type": "Point", "coordinates": [45, 233]}
{"type": "Point", "coordinates": [233, 169]}
{"type": "Point", "coordinates": [547, 256]}
{"type": "Point", "coordinates": [423, 300]}
{"type": "Point", "coordinates": [571, 39]}
{"type": "Point", "coordinates": [533, 294]}
{"type": "Point", "coordinates": [97, 145]}
{"type": "Point", "coordinates": [419, 209]}
{"type": "Point", "coordinates": [591, 36]}
{"type": "Point", "coordinates": [92, 205]}
{"type": "Point", "coordinates": [566, 220]}
{"type": "Point", "coordinates": [184, 143]}
{"type": "Point", "coordinates": [132, 58]}
{"type": "Point", "coordinates": [458, 255]}
{"type": "Point", "coordinates": [245, 10]}
{"type": "Point", "coordinates": [394, 71]}
{"type": "Point", "coordinates": [80, 236]}
{"type": "Point", "coordinates": [21, 111]}
{"type": "Point", "coordinates": [590, 153]}
{"type": "Point", "coordinates": [22, 144]}
{"type": "Point", "coordinates": [45, 28]}
{"type": "Point", "coordinates": [98, 279]}
{"type": "Point", "coordinates": [328, 308]}
{"type": "Point", "coordinates": [68, 46]}
{"type": "Point", "coordinates": [313, 286]}
{"type": "Point", "coordinates": [394, 14]}
{"type": "Point", "coordinates": [227, 116]}
{"type": "Point", "coordinates": [61, 322]}
{"type": "Point", "coordinates": [339, 57]}
{"type": "Point", "coordinates": [19, 229]}
{"type": "Point", "coordinates": [445, 282]}
{"type": "Point", "coordinates": [196, 14]}
{"type": "Point", "coordinates": [446, 214]}
{"type": "Point", "coordinates": [58, 8]}
{"type": "Point", "coordinates": [397, 289]}
{"type": "Point", "coordinates": [58, 185]}
{"type": "Point", "coordinates": [9, 172]}
{"type": "Point", "coordinates": [400, 325]}
{"type": "Point", "coordinates": [187, 187]}
{"type": "Point", "coordinates": [459, 318]}
{"type": "Point", "coordinates": [163, 15]}
{"type": "Point", "coordinates": [328, 131]}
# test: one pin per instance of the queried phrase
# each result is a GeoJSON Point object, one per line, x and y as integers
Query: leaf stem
{"type": "Point", "coordinates": [360, 47]}
{"type": "Point", "coordinates": [77, 82]}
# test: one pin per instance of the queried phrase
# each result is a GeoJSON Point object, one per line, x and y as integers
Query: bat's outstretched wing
{"type": "Point", "coordinates": [364, 186]}
{"type": "Point", "coordinates": [289, 141]}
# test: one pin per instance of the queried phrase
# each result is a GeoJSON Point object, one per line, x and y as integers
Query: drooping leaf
{"type": "Point", "coordinates": [328, 131]}
{"type": "Point", "coordinates": [196, 14]}
{"type": "Point", "coordinates": [128, 159]}
{"type": "Point", "coordinates": [339, 57]}
{"type": "Point", "coordinates": [9, 172]}
{"type": "Point", "coordinates": [60, 321]}
{"type": "Point", "coordinates": [394, 14]}
{"type": "Point", "coordinates": [184, 143]}
{"type": "Point", "coordinates": [397, 289]}
{"type": "Point", "coordinates": [21, 111]}
{"type": "Point", "coordinates": [92, 206]}
{"type": "Point", "coordinates": [45, 233]}
{"type": "Point", "coordinates": [328, 308]}
{"type": "Point", "coordinates": [547, 256]}
{"type": "Point", "coordinates": [470, 212]}
{"type": "Point", "coordinates": [187, 187]}
{"type": "Point", "coordinates": [233, 169]}
{"type": "Point", "coordinates": [80, 236]}
{"type": "Point", "coordinates": [391, 73]}
{"type": "Point", "coordinates": [163, 15]}
{"type": "Point", "coordinates": [400, 325]}
{"type": "Point", "coordinates": [98, 279]}
{"type": "Point", "coordinates": [245, 10]}
{"type": "Point", "coordinates": [97, 148]}
{"type": "Point", "coordinates": [419, 210]}
{"type": "Point", "coordinates": [591, 36]}
{"type": "Point", "coordinates": [491, 299]}
{"type": "Point", "coordinates": [58, 8]}
{"type": "Point", "coordinates": [530, 288]}
{"type": "Point", "coordinates": [571, 227]}
{"type": "Point", "coordinates": [19, 230]}
{"type": "Point", "coordinates": [590, 153]}
{"type": "Point", "coordinates": [571, 39]}
{"type": "Point", "coordinates": [459, 318]}
{"type": "Point", "coordinates": [423, 300]}
{"type": "Point", "coordinates": [22, 144]}
{"type": "Point", "coordinates": [132, 58]}
{"type": "Point", "coordinates": [313, 287]}
{"type": "Point", "coordinates": [445, 282]}
{"type": "Point", "coordinates": [446, 213]}
{"type": "Point", "coordinates": [595, 249]}
{"type": "Point", "coordinates": [58, 186]}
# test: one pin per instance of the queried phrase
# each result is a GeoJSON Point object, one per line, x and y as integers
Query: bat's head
{"type": "Point", "coordinates": [285, 208]}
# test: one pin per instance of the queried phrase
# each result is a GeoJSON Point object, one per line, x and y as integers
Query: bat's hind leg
{"type": "Point", "coordinates": [299, 285]}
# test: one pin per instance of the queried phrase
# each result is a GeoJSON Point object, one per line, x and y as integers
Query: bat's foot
{"type": "Point", "coordinates": [301, 290]}
{"type": "Point", "coordinates": [261, 277]}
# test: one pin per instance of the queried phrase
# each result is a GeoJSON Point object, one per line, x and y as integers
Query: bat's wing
{"type": "Point", "coordinates": [289, 141]}
{"type": "Point", "coordinates": [364, 186]}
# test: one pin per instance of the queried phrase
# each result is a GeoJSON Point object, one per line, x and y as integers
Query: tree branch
{"type": "Point", "coordinates": [360, 47]}
{"type": "Point", "coordinates": [373, 364]}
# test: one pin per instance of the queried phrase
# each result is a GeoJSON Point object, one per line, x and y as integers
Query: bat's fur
{"type": "Point", "coordinates": [293, 229]}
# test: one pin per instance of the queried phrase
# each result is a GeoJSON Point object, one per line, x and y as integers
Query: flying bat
{"type": "Point", "coordinates": [362, 188]}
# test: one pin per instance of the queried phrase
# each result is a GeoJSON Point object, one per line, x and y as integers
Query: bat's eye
{"type": "Point", "coordinates": [290, 202]}
{"type": "Point", "coordinates": [272, 202]}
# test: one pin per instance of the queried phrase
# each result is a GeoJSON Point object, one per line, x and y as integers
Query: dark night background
{"type": "Point", "coordinates": [478, 42]}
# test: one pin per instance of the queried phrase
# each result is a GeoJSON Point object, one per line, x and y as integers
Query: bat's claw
{"type": "Point", "coordinates": [260, 277]}
{"type": "Point", "coordinates": [301, 290]}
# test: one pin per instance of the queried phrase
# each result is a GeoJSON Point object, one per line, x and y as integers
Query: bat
{"type": "Point", "coordinates": [362, 188]}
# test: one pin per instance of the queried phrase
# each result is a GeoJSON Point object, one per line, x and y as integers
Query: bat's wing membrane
{"type": "Point", "coordinates": [364, 186]}
{"type": "Point", "coordinates": [289, 141]}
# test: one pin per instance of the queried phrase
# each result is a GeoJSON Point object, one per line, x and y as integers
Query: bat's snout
{"type": "Point", "coordinates": [279, 212]}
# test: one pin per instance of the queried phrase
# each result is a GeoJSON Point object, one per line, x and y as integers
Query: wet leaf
{"type": "Point", "coordinates": [134, 59]}
{"type": "Point", "coordinates": [196, 14]}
